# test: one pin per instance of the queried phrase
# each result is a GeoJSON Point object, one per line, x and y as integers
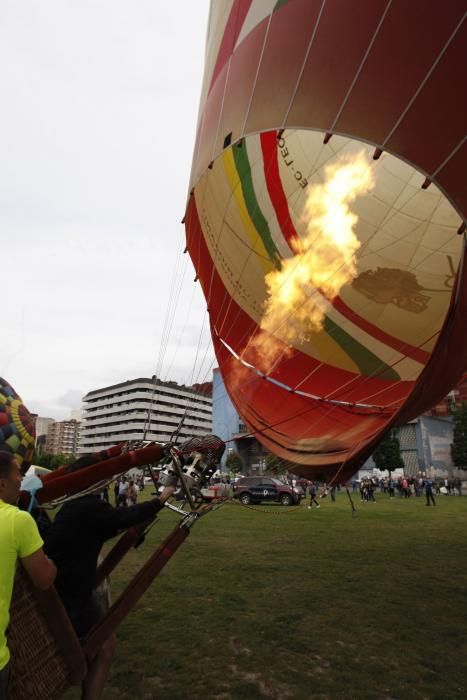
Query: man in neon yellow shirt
{"type": "Point", "coordinates": [19, 538]}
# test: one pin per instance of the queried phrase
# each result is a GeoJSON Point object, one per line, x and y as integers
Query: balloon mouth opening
{"type": "Point", "coordinates": [335, 252]}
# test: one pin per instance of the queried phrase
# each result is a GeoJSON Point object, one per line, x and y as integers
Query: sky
{"type": "Point", "coordinates": [97, 126]}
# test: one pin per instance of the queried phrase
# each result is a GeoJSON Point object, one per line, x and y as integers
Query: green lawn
{"type": "Point", "coordinates": [290, 603]}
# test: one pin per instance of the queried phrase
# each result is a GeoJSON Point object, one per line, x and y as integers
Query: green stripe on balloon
{"type": "Point", "coordinates": [368, 363]}
{"type": "Point", "coordinates": [254, 210]}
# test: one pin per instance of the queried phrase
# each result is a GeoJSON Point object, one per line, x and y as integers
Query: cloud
{"type": "Point", "coordinates": [96, 150]}
{"type": "Point", "coordinates": [59, 407]}
{"type": "Point", "coordinates": [71, 399]}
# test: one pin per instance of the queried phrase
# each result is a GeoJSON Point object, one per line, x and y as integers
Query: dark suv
{"type": "Point", "coordinates": [255, 489]}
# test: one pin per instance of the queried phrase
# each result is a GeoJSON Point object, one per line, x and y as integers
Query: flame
{"type": "Point", "coordinates": [324, 260]}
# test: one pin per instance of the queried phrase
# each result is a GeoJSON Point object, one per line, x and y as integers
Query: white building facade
{"type": "Point", "coordinates": [63, 437]}
{"type": "Point", "coordinates": [42, 425]}
{"type": "Point", "coordinates": [140, 408]}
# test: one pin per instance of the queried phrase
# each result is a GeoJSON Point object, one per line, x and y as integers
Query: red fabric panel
{"type": "Point", "coordinates": [274, 185]}
{"type": "Point", "coordinates": [56, 474]}
{"type": "Point", "coordinates": [288, 38]}
{"type": "Point", "coordinates": [343, 35]}
{"type": "Point", "coordinates": [75, 482]}
{"type": "Point", "coordinates": [334, 383]}
{"type": "Point", "coordinates": [223, 311]}
{"type": "Point", "coordinates": [240, 81]}
{"type": "Point", "coordinates": [232, 29]}
{"type": "Point", "coordinates": [435, 123]}
{"type": "Point", "coordinates": [398, 62]}
{"type": "Point", "coordinates": [209, 121]}
{"type": "Point", "coordinates": [98, 457]}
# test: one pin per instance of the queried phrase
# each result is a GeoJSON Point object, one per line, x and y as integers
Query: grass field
{"type": "Point", "coordinates": [290, 603]}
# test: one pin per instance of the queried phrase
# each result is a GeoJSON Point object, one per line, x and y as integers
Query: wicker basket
{"type": "Point", "coordinates": [46, 655]}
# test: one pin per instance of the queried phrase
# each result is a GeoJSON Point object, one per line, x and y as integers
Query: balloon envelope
{"type": "Point", "coordinates": [324, 340]}
{"type": "Point", "coordinates": [17, 427]}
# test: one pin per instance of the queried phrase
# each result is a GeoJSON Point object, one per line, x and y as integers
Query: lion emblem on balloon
{"type": "Point", "coordinates": [387, 285]}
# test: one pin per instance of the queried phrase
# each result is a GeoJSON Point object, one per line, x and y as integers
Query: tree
{"type": "Point", "coordinates": [234, 462]}
{"type": "Point", "coordinates": [387, 455]}
{"type": "Point", "coordinates": [275, 465]}
{"type": "Point", "coordinates": [51, 461]}
{"type": "Point", "coordinates": [459, 438]}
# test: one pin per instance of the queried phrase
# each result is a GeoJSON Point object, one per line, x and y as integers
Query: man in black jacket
{"type": "Point", "coordinates": [73, 542]}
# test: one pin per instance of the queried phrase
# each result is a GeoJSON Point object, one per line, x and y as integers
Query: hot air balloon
{"type": "Point", "coordinates": [325, 217]}
{"type": "Point", "coordinates": [17, 427]}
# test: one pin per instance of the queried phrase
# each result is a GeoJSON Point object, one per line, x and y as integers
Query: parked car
{"type": "Point", "coordinates": [258, 489]}
{"type": "Point", "coordinates": [213, 491]}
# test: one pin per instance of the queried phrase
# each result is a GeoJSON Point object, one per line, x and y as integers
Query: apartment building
{"type": "Point", "coordinates": [144, 407]}
{"type": "Point", "coordinates": [62, 437]}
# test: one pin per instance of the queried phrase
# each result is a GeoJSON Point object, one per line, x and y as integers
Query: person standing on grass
{"type": "Point", "coordinates": [362, 489]}
{"type": "Point", "coordinates": [132, 494]}
{"type": "Point", "coordinates": [429, 492]}
{"type": "Point", "coordinates": [19, 539]}
{"type": "Point", "coordinates": [400, 490]}
{"type": "Point", "coordinates": [312, 492]}
{"type": "Point", "coordinates": [405, 488]}
{"type": "Point", "coordinates": [122, 491]}
{"type": "Point", "coordinates": [366, 490]}
{"type": "Point", "coordinates": [418, 486]}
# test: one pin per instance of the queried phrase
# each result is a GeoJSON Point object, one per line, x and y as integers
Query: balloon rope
{"type": "Point", "coordinates": [189, 309]}
{"type": "Point", "coordinates": [168, 322]}
{"type": "Point", "coordinates": [170, 311]}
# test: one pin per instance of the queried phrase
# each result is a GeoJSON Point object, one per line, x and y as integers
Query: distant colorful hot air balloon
{"type": "Point", "coordinates": [326, 217]}
{"type": "Point", "coordinates": [17, 426]}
